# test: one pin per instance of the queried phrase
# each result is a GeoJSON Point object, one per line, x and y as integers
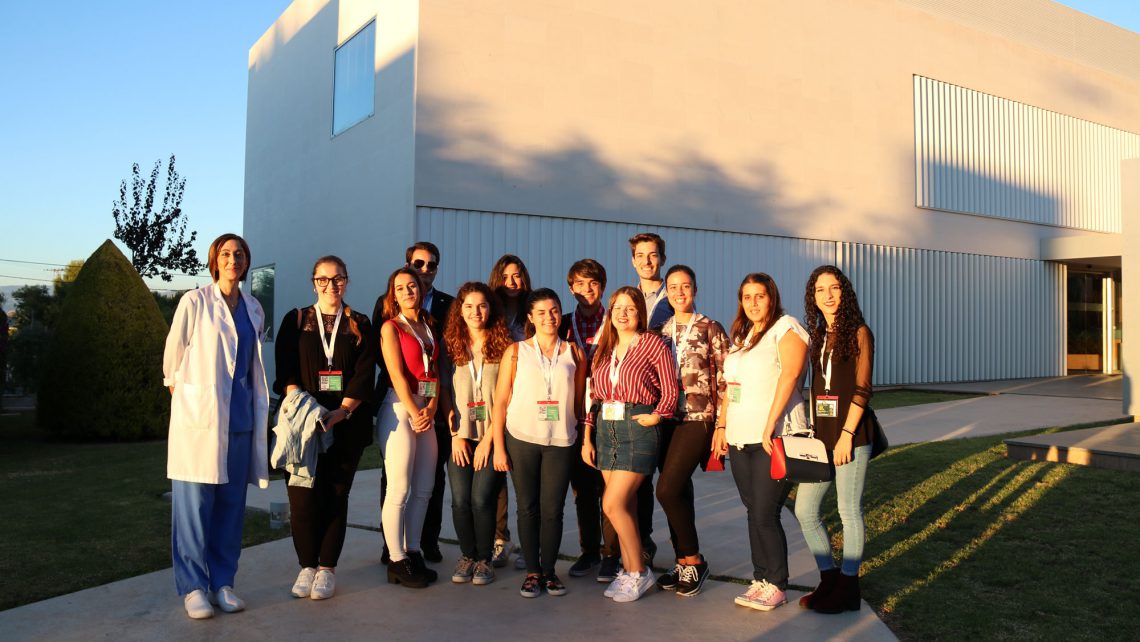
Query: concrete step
{"type": "Point", "coordinates": [1115, 447]}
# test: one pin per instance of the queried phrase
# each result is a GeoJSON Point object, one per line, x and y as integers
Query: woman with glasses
{"type": "Point", "coordinates": [538, 400]}
{"type": "Point", "coordinates": [634, 382]}
{"type": "Point", "coordinates": [406, 425]}
{"type": "Point", "coordinates": [326, 351]}
{"type": "Point", "coordinates": [219, 409]}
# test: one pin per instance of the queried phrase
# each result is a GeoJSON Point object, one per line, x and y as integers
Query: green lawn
{"type": "Point", "coordinates": [81, 515]}
{"type": "Point", "coordinates": [900, 398]}
{"type": "Point", "coordinates": [963, 543]}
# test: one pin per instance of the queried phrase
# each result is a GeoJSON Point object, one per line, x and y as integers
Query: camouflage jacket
{"type": "Point", "coordinates": [703, 352]}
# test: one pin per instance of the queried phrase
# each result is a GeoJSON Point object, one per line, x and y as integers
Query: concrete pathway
{"type": "Point", "coordinates": [1097, 386]}
{"type": "Point", "coordinates": [145, 607]}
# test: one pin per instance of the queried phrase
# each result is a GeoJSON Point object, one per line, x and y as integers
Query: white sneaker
{"type": "Point", "coordinates": [227, 601]}
{"type": "Point", "coordinates": [197, 606]}
{"type": "Point", "coordinates": [635, 586]}
{"type": "Point", "coordinates": [615, 584]}
{"type": "Point", "coordinates": [520, 563]}
{"type": "Point", "coordinates": [304, 584]}
{"type": "Point", "coordinates": [324, 585]}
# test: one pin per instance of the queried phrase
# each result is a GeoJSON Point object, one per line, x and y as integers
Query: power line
{"type": "Point", "coordinates": [198, 275]}
{"type": "Point", "coordinates": [25, 278]}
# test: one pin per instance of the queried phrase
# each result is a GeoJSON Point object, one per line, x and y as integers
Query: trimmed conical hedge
{"type": "Point", "coordinates": [102, 379]}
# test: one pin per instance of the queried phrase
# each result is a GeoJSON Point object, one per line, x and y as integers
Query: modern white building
{"type": "Point", "coordinates": [964, 162]}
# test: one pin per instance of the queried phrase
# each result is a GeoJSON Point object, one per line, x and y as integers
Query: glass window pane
{"type": "Point", "coordinates": [354, 79]}
{"type": "Point", "coordinates": [261, 287]}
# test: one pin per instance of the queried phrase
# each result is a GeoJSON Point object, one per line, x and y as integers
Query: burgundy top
{"type": "Point", "coordinates": [413, 354]}
{"type": "Point", "coordinates": [647, 376]}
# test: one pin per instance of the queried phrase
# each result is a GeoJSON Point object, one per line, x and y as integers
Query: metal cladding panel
{"type": "Point", "coordinates": [980, 154]}
{"type": "Point", "coordinates": [471, 241]}
{"type": "Point", "coordinates": [945, 316]}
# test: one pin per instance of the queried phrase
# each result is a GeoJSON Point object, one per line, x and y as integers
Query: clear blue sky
{"type": "Point", "coordinates": [91, 87]}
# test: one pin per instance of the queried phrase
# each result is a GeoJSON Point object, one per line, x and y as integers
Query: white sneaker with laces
{"type": "Point", "coordinates": [304, 584]}
{"type": "Point", "coordinates": [227, 601]}
{"type": "Point", "coordinates": [197, 606]}
{"type": "Point", "coordinates": [635, 586]}
{"type": "Point", "coordinates": [615, 584]}
{"type": "Point", "coordinates": [324, 585]}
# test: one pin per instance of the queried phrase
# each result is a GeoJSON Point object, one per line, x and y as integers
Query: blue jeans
{"type": "Point", "coordinates": [541, 475]}
{"type": "Point", "coordinates": [474, 501]}
{"type": "Point", "coordinates": [849, 480]}
{"type": "Point", "coordinates": [763, 499]}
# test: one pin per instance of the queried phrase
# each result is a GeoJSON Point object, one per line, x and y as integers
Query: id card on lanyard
{"type": "Point", "coordinates": [827, 404]}
{"type": "Point", "coordinates": [329, 380]}
{"type": "Point", "coordinates": [477, 408]}
{"type": "Point", "coordinates": [734, 391]}
{"type": "Point", "coordinates": [424, 388]}
{"type": "Point", "coordinates": [548, 409]}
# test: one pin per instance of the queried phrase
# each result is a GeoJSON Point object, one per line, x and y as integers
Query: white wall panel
{"type": "Point", "coordinates": [981, 154]}
{"type": "Point", "coordinates": [944, 316]}
{"type": "Point", "coordinates": [471, 241]}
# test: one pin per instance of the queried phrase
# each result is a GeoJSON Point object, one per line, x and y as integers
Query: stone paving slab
{"type": "Point", "coordinates": [1097, 386]}
{"type": "Point", "coordinates": [367, 608]}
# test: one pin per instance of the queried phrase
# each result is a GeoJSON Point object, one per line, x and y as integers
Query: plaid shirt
{"type": "Point", "coordinates": [587, 330]}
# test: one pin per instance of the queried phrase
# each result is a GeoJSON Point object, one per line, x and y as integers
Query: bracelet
{"type": "Point", "coordinates": [347, 412]}
{"type": "Point", "coordinates": [719, 428]}
{"type": "Point", "coordinates": [849, 432]}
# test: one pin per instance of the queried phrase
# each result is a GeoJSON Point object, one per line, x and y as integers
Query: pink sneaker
{"type": "Point", "coordinates": [762, 596]}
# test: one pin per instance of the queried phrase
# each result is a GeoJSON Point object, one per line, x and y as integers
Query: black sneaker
{"type": "Point", "coordinates": [668, 581]}
{"type": "Point", "coordinates": [553, 585]}
{"type": "Point", "coordinates": [432, 553]}
{"type": "Point", "coordinates": [692, 578]}
{"type": "Point", "coordinates": [608, 570]}
{"type": "Point", "coordinates": [585, 563]}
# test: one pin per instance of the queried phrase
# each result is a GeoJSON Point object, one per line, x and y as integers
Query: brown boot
{"type": "Point", "coordinates": [827, 581]}
{"type": "Point", "coordinates": [844, 597]}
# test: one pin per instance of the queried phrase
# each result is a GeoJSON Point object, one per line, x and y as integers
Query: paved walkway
{"type": "Point", "coordinates": [145, 607]}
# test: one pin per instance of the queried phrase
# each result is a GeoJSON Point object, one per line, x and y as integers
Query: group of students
{"type": "Point", "coordinates": [597, 400]}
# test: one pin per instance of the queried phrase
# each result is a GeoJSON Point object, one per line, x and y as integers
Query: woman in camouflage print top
{"type": "Point", "coordinates": [699, 345]}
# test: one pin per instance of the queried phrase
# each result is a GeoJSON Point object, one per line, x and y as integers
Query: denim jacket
{"type": "Point", "coordinates": [299, 437]}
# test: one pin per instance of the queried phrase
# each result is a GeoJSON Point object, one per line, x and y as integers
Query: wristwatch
{"type": "Point", "coordinates": [347, 412]}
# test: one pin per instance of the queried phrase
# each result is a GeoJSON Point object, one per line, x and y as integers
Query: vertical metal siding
{"type": "Point", "coordinates": [944, 316]}
{"type": "Point", "coordinates": [982, 154]}
{"type": "Point", "coordinates": [471, 241]}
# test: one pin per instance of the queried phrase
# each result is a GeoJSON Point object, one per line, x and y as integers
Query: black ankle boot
{"type": "Point", "coordinates": [421, 567]}
{"type": "Point", "coordinates": [404, 572]}
{"type": "Point", "coordinates": [844, 597]}
{"type": "Point", "coordinates": [827, 580]}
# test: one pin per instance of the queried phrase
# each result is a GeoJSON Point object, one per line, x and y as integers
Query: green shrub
{"type": "Point", "coordinates": [102, 378]}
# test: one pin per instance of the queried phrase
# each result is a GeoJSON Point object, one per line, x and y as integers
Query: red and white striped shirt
{"type": "Point", "coordinates": [647, 375]}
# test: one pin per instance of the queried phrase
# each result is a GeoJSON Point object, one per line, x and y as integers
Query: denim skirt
{"type": "Point", "coordinates": [626, 444]}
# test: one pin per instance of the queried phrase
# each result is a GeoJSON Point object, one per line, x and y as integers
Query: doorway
{"type": "Point", "coordinates": [1093, 322]}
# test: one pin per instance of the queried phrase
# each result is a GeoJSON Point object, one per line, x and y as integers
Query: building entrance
{"type": "Point", "coordinates": [1093, 322]}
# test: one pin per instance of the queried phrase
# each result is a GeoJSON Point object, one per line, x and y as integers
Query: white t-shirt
{"type": "Point", "coordinates": [530, 388]}
{"type": "Point", "coordinates": [758, 371]}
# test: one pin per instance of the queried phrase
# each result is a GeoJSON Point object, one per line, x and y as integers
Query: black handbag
{"type": "Point", "coordinates": [879, 443]}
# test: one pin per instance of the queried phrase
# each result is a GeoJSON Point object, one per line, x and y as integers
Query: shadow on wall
{"type": "Point", "coordinates": [951, 187]}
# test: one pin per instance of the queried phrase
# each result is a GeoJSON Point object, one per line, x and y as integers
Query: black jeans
{"type": "Point", "coordinates": [541, 475]}
{"type": "Point", "coordinates": [474, 499]}
{"type": "Point", "coordinates": [318, 516]}
{"type": "Point", "coordinates": [764, 499]}
{"type": "Point", "coordinates": [686, 446]}
{"type": "Point", "coordinates": [433, 521]}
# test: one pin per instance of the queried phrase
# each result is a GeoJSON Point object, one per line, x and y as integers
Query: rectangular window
{"type": "Point", "coordinates": [354, 79]}
{"type": "Point", "coordinates": [261, 287]}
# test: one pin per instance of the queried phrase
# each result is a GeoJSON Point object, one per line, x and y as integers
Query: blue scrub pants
{"type": "Point", "coordinates": [206, 524]}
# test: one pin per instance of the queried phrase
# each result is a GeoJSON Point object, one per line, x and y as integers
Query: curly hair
{"type": "Point", "coordinates": [609, 339]}
{"type": "Point", "coordinates": [457, 337]}
{"type": "Point", "coordinates": [848, 318]}
{"type": "Point", "coordinates": [742, 325]}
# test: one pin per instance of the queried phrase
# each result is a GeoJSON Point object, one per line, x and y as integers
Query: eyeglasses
{"type": "Point", "coordinates": [420, 263]}
{"type": "Point", "coordinates": [323, 281]}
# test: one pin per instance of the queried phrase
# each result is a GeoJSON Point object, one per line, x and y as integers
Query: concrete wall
{"type": "Point", "coordinates": [772, 117]}
{"type": "Point", "coordinates": [308, 193]}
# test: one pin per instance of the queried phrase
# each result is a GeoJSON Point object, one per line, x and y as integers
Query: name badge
{"type": "Point", "coordinates": [734, 392]}
{"type": "Point", "coordinates": [613, 411]}
{"type": "Point", "coordinates": [330, 381]}
{"type": "Point", "coordinates": [827, 406]}
{"type": "Point", "coordinates": [477, 411]}
{"type": "Point", "coordinates": [427, 389]}
{"type": "Point", "coordinates": [548, 411]}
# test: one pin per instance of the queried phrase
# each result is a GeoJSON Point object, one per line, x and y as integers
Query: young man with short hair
{"type": "Point", "coordinates": [648, 250]}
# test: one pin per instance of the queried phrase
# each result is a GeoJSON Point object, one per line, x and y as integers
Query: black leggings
{"type": "Point", "coordinates": [319, 515]}
{"type": "Point", "coordinates": [686, 445]}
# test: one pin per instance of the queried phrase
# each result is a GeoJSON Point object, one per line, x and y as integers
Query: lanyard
{"type": "Point", "coordinates": [425, 348]}
{"type": "Point", "coordinates": [548, 371]}
{"type": "Point", "coordinates": [678, 353]}
{"type": "Point", "coordinates": [615, 365]}
{"type": "Point", "coordinates": [826, 368]}
{"type": "Point", "coordinates": [578, 337]}
{"type": "Point", "coordinates": [476, 377]}
{"type": "Point", "coordinates": [731, 372]}
{"type": "Point", "coordinates": [328, 345]}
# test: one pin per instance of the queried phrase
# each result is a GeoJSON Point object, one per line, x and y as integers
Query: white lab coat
{"type": "Point", "coordinates": [199, 362]}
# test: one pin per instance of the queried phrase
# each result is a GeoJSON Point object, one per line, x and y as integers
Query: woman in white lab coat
{"type": "Point", "coordinates": [218, 421]}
